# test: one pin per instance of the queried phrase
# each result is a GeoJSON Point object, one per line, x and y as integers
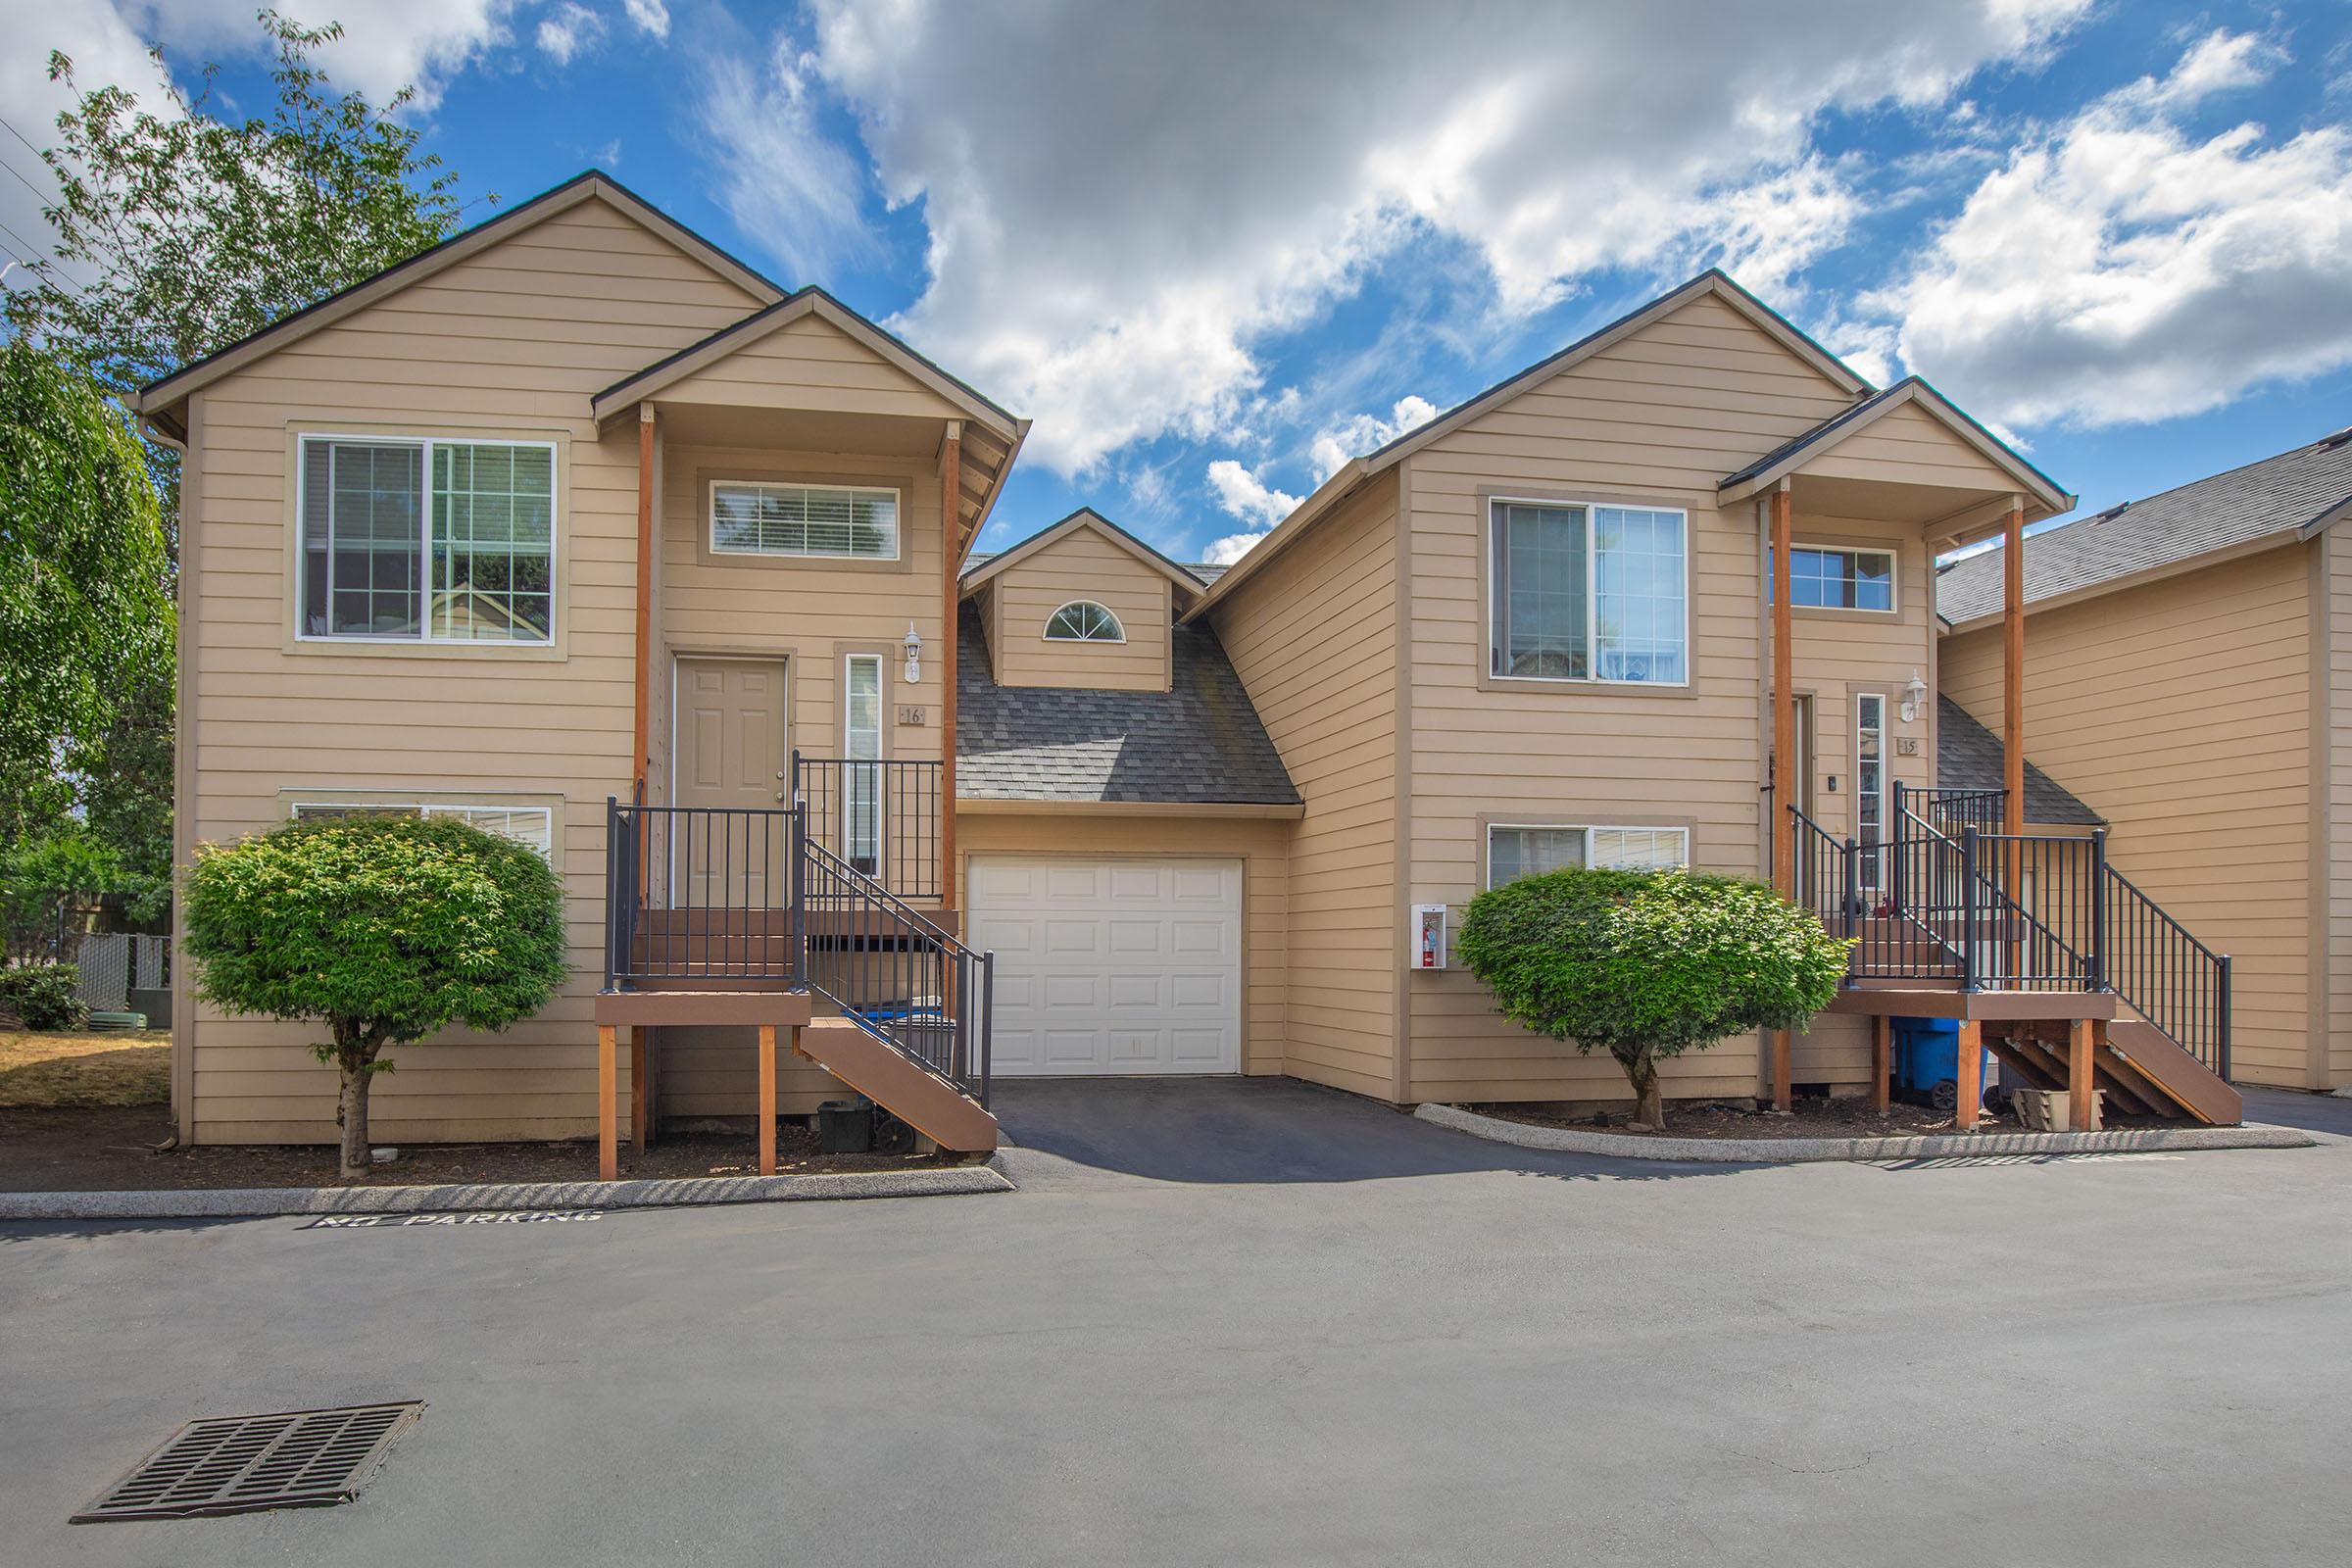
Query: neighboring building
{"type": "Point", "coordinates": [578, 510]}
{"type": "Point", "coordinates": [2189, 675]}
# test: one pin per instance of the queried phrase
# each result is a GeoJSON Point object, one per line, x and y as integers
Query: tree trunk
{"type": "Point", "coordinates": [353, 1114]}
{"type": "Point", "coordinates": [1649, 1106]}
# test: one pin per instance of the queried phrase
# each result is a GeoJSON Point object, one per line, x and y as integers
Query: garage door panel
{"type": "Point", "coordinates": [1130, 990]}
{"type": "Point", "coordinates": [1196, 992]}
{"type": "Point", "coordinates": [1123, 965]}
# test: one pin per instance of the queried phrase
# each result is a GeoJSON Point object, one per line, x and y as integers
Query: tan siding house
{"type": "Point", "coordinates": [2182, 678]}
{"type": "Point", "coordinates": [581, 529]}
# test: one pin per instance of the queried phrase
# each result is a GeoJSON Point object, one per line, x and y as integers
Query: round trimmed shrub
{"type": "Point", "coordinates": [1648, 965]}
{"type": "Point", "coordinates": [385, 928]}
{"type": "Point", "coordinates": [42, 995]}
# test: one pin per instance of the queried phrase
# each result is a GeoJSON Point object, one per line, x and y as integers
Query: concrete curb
{"type": "Point", "coordinates": [240, 1203]}
{"type": "Point", "coordinates": [1799, 1151]}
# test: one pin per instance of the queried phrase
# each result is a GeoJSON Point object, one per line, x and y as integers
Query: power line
{"type": "Point", "coordinates": [20, 135]}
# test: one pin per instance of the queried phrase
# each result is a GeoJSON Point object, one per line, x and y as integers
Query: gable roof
{"type": "Point", "coordinates": [985, 567]}
{"type": "Point", "coordinates": [1714, 281]}
{"type": "Point", "coordinates": [1968, 756]}
{"type": "Point", "coordinates": [1199, 743]}
{"type": "Point", "coordinates": [1910, 392]}
{"type": "Point", "coordinates": [810, 300]}
{"type": "Point", "coordinates": [2293, 494]}
{"type": "Point", "coordinates": [159, 399]}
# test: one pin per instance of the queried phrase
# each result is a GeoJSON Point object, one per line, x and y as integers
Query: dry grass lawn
{"type": "Point", "coordinates": [122, 1068]}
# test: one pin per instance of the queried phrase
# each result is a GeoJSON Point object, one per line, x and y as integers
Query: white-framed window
{"type": "Point", "coordinates": [1588, 592]}
{"type": "Point", "coordinates": [533, 825]}
{"type": "Point", "coordinates": [421, 539]}
{"type": "Point", "coordinates": [827, 521]}
{"type": "Point", "coordinates": [1082, 621]}
{"type": "Point", "coordinates": [1517, 850]}
{"type": "Point", "coordinates": [1870, 782]}
{"type": "Point", "coordinates": [862, 742]}
{"type": "Point", "coordinates": [1835, 578]}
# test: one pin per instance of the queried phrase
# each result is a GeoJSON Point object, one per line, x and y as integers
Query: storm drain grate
{"type": "Point", "coordinates": [233, 1464]}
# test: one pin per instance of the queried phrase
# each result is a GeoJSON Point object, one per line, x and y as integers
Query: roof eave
{"type": "Point", "coordinates": [165, 393]}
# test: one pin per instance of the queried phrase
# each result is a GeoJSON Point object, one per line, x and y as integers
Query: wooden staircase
{"type": "Point", "coordinates": [740, 916]}
{"type": "Point", "coordinates": [2141, 1069]}
{"type": "Point", "coordinates": [2038, 947]}
{"type": "Point", "coordinates": [880, 1071]}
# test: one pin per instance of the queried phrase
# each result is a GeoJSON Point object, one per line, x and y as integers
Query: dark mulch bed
{"type": "Point", "coordinates": [111, 1148]}
{"type": "Point", "coordinates": [1811, 1118]}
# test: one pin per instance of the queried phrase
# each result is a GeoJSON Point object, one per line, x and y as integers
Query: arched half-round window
{"type": "Point", "coordinates": [1082, 621]}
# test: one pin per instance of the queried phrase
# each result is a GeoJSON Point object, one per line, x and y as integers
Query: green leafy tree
{"type": "Point", "coordinates": [85, 601]}
{"type": "Point", "coordinates": [385, 928]}
{"type": "Point", "coordinates": [46, 878]}
{"type": "Point", "coordinates": [180, 233]}
{"type": "Point", "coordinates": [1648, 965]}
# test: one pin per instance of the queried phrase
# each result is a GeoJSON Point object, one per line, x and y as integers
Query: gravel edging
{"type": "Point", "coordinates": [1797, 1150]}
{"type": "Point", "coordinates": [240, 1203]}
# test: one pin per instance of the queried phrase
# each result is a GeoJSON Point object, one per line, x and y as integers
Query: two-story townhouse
{"type": "Point", "coordinates": [581, 529]}
{"type": "Point", "coordinates": [2188, 674]}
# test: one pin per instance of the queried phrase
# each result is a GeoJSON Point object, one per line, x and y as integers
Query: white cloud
{"type": "Point", "coordinates": [569, 31]}
{"type": "Point", "coordinates": [789, 186]}
{"type": "Point", "coordinates": [103, 49]}
{"type": "Point", "coordinates": [651, 16]}
{"type": "Point", "coordinates": [1229, 549]}
{"type": "Point", "coordinates": [2119, 268]}
{"type": "Point", "coordinates": [420, 43]}
{"type": "Point", "coordinates": [1241, 494]}
{"type": "Point", "coordinates": [1335, 444]}
{"type": "Point", "coordinates": [1109, 253]}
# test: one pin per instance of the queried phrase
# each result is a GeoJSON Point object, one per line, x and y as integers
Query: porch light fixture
{"type": "Point", "coordinates": [1915, 698]}
{"type": "Point", "coordinates": [915, 656]}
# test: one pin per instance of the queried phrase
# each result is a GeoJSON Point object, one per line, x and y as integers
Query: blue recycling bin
{"type": "Point", "coordinates": [1926, 1061]}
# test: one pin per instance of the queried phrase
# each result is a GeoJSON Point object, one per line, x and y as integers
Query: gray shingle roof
{"type": "Point", "coordinates": [1199, 743]}
{"type": "Point", "coordinates": [1969, 757]}
{"type": "Point", "coordinates": [2239, 507]}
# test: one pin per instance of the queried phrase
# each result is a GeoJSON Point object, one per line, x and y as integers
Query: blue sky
{"type": "Point", "coordinates": [1211, 248]}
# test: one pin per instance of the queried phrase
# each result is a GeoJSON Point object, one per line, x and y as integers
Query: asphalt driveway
{"type": "Point", "coordinates": [1252, 1322]}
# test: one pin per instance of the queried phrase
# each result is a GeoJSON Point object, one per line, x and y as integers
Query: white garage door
{"type": "Point", "coordinates": [1111, 967]}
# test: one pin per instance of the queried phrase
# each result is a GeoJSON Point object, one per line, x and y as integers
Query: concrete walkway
{"type": "Point", "coordinates": [1252, 1323]}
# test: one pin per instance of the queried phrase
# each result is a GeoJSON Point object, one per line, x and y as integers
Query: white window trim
{"type": "Point", "coordinates": [1591, 591]}
{"type": "Point", "coordinates": [1587, 829]}
{"type": "Point", "coordinates": [424, 563]}
{"type": "Point", "coordinates": [427, 810]}
{"type": "Point", "coordinates": [849, 846]}
{"type": "Point", "coordinates": [1877, 862]}
{"type": "Point", "coordinates": [1048, 634]}
{"type": "Point", "coordinates": [897, 534]}
{"type": "Point", "coordinates": [1894, 576]}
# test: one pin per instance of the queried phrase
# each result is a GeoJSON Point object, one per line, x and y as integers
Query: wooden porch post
{"type": "Point", "coordinates": [1785, 791]}
{"type": "Point", "coordinates": [2013, 672]}
{"type": "Point", "coordinates": [2079, 1074]}
{"type": "Point", "coordinates": [1881, 1063]}
{"type": "Point", "coordinates": [767, 1099]}
{"type": "Point", "coordinates": [608, 1103]}
{"type": "Point", "coordinates": [640, 1099]}
{"type": "Point", "coordinates": [640, 757]}
{"type": "Point", "coordinates": [951, 508]}
{"type": "Point", "coordinates": [1969, 1101]}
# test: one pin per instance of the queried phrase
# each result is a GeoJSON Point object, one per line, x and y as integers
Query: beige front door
{"type": "Point", "coordinates": [729, 760]}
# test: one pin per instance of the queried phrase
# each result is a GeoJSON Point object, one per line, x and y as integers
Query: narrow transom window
{"type": "Point", "coordinates": [1082, 621]}
{"type": "Point", "coordinates": [427, 540]}
{"type": "Point", "coordinates": [828, 521]}
{"type": "Point", "coordinates": [1587, 593]}
{"type": "Point", "coordinates": [1835, 578]}
{"type": "Point", "coordinates": [1516, 852]}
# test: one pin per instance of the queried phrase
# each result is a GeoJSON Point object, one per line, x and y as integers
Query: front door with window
{"type": "Point", "coordinates": [729, 757]}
